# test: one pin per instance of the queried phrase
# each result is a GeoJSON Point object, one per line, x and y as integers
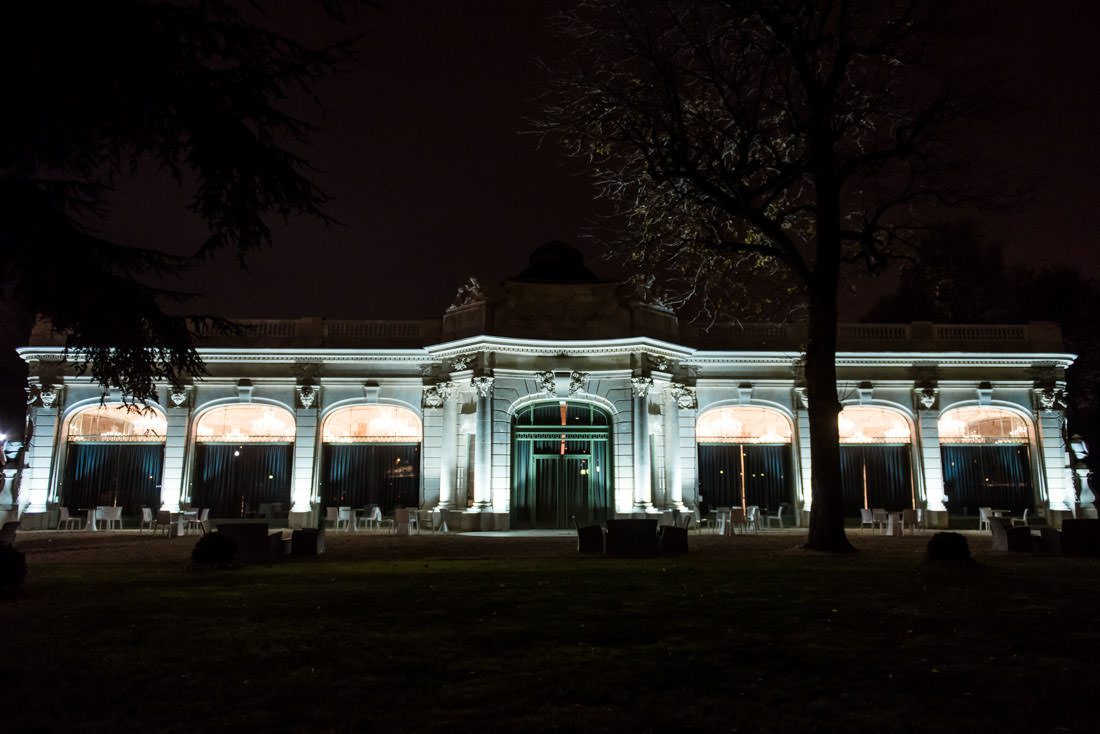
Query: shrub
{"type": "Point", "coordinates": [948, 547]}
{"type": "Point", "coordinates": [13, 570]}
{"type": "Point", "coordinates": [214, 549]}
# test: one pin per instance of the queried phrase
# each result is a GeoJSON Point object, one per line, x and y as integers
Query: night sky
{"type": "Point", "coordinates": [420, 147]}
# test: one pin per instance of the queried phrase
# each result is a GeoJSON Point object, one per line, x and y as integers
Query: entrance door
{"type": "Point", "coordinates": [562, 489]}
{"type": "Point", "coordinates": [560, 466]}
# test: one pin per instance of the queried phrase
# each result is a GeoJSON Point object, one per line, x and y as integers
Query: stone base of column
{"type": "Point", "coordinates": [481, 506]}
{"type": "Point", "coordinates": [643, 506]}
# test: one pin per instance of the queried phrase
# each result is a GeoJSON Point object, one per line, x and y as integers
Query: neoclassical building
{"type": "Point", "coordinates": [563, 397]}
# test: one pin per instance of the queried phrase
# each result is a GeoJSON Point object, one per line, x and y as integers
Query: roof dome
{"type": "Point", "coordinates": [556, 262]}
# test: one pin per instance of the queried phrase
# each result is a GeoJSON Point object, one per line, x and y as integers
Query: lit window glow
{"type": "Point", "coordinates": [372, 424]}
{"type": "Point", "coordinates": [245, 423]}
{"type": "Point", "coordinates": [743, 424]}
{"type": "Point", "coordinates": [982, 424]}
{"type": "Point", "coordinates": [115, 422]}
{"type": "Point", "coordinates": [870, 424]}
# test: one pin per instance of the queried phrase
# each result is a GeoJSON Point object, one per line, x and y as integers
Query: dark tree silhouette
{"type": "Point", "coordinates": [92, 91]}
{"type": "Point", "coordinates": [761, 139]}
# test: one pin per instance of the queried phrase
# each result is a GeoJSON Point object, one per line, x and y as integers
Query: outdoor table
{"type": "Point", "coordinates": [893, 524]}
{"type": "Point", "coordinates": [90, 527]}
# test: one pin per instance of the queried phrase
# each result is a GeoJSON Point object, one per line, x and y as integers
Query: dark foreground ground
{"type": "Point", "coordinates": [464, 633]}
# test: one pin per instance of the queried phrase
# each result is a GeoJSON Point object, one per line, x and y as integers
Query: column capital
{"type": "Point", "coordinates": [483, 386]}
{"type": "Point", "coordinates": [926, 397]}
{"type": "Point", "coordinates": [640, 386]}
{"type": "Point", "coordinates": [438, 394]}
{"type": "Point", "coordinates": [683, 397]}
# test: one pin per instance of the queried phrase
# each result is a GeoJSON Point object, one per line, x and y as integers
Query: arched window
{"type": "Point", "coordinates": [117, 423]}
{"type": "Point", "coordinates": [986, 462]}
{"type": "Point", "coordinates": [982, 424]}
{"type": "Point", "coordinates": [115, 457]}
{"type": "Point", "coordinates": [875, 458]}
{"type": "Point", "coordinates": [371, 456]}
{"type": "Point", "coordinates": [868, 424]}
{"type": "Point", "coordinates": [244, 456]}
{"type": "Point", "coordinates": [744, 457]}
{"type": "Point", "coordinates": [245, 423]}
{"type": "Point", "coordinates": [372, 424]}
{"type": "Point", "coordinates": [743, 424]}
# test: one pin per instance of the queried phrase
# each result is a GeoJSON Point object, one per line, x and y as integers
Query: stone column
{"type": "Point", "coordinates": [175, 448]}
{"type": "Point", "coordinates": [802, 426]}
{"type": "Point", "coordinates": [45, 414]}
{"type": "Point", "coordinates": [928, 428]}
{"type": "Point", "coordinates": [643, 489]}
{"type": "Point", "coordinates": [679, 397]}
{"type": "Point", "coordinates": [443, 395]}
{"type": "Point", "coordinates": [483, 445]}
{"type": "Point", "coordinates": [1049, 420]}
{"type": "Point", "coordinates": [307, 402]}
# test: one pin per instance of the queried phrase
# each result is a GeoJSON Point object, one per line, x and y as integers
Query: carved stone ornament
{"type": "Point", "coordinates": [438, 394]}
{"type": "Point", "coordinates": [641, 386]}
{"type": "Point", "coordinates": [1049, 398]}
{"type": "Point", "coordinates": [178, 396]}
{"type": "Point", "coordinates": [578, 382]}
{"type": "Point", "coordinates": [43, 396]}
{"type": "Point", "coordinates": [545, 382]}
{"type": "Point", "coordinates": [660, 363]}
{"type": "Point", "coordinates": [926, 397]}
{"type": "Point", "coordinates": [684, 396]}
{"type": "Point", "coordinates": [307, 395]}
{"type": "Point", "coordinates": [483, 386]}
{"type": "Point", "coordinates": [468, 293]}
{"type": "Point", "coordinates": [803, 397]}
{"type": "Point", "coordinates": [461, 363]}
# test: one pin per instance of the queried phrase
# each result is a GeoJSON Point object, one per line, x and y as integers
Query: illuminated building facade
{"type": "Point", "coordinates": [563, 397]}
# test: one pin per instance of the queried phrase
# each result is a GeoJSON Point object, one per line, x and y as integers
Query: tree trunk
{"type": "Point", "coordinates": [827, 512]}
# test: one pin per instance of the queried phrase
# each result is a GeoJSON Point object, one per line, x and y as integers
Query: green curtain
{"type": "Point", "coordinates": [113, 474]}
{"type": "Point", "coordinates": [997, 476]}
{"type": "Point", "coordinates": [234, 479]}
{"type": "Point", "coordinates": [363, 474]}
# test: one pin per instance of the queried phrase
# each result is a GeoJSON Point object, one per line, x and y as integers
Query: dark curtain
{"type": "Point", "coordinates": [363, 474]}
{"type": "Point", "coordinates": [766, 475]}
{"type": "Point", "coordinates": [113, 474]}
{"type": "Point", "coordinates": [996, 476]}
{"type": "Point", "coordinates": [889, 477]}
{"type": "Point", "coordinates": [233, 479]}
{"type": "Point", "coordinates": [549, 487]}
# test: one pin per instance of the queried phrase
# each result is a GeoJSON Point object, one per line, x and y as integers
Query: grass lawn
{"type": "Point", "coordinates": [435, 633]}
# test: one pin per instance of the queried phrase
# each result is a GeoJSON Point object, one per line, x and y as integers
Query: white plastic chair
{"type": "Point", "coordinates": [880, 517]}
{"type": "Point", "coordinates": [983, 517]}
{"type": "Point", "coordinates": [721, 520]}
{"type": "Point", "coordinates": [414, 521]}
{"type": "Point", "coordinates": [909, 520]}
{"type": "Point", "coordinates": [752, 518]}
{"type": "Point", "coordinates": [778, 517]}
{"type": "Point", "coordinates": [109, 516]}
{"type": "Point", "coordinates": [147, 519]}
{"type": "Point", "coordinates": [1016, 521]}
{"type": "Point", "coordinates": [346, 516]}
{"type": "Point", "coordinates": [68, 522]}
{"type": "Point", "coordinates": [866, 518]}
{"type": "Point", "coordinates": [199, 521]}
{"type": "Point", "coordinates": [331, 516]}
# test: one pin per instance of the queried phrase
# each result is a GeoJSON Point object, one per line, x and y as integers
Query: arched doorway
{"type": "Point", "coordinates": [875, 459]}
{"type": "Point", "coordinates": [985, 459]}
{"type": "Point", "coordinates": [244, 455]}
{"type": "Point", "coordinates": [371, 456]}
{"type": "Point", "coordinates": [744, 457]}
{"type": "Point", "coordinates": [560, 465]}
{"type": "Point", "coordinates": [115, 456]}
